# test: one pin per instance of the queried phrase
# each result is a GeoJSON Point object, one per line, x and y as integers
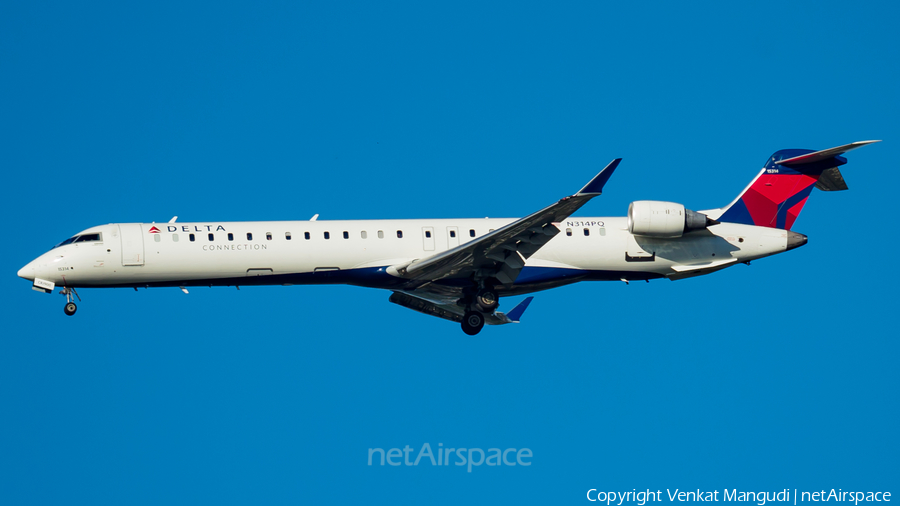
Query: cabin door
{"type": "Point", "coordinates": [132, 243]}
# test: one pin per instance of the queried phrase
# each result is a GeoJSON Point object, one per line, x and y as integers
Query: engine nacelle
{"type": "Point", "coordinates": [653, 218]}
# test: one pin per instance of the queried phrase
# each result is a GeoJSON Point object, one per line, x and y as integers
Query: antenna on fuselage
{"type": "Point", "coordinates": [315, 216]}
{"type": "Point", "coordinates": [173, 219]}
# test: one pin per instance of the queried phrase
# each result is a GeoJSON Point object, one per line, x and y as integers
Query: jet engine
{"type": "Point", "coordinates": [652, 218]}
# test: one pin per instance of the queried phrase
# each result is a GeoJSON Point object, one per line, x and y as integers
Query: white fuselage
{"type": "Point", "coordinates": [359, 252]}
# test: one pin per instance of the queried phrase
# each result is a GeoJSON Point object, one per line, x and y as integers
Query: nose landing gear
{"type": "Point", "coordinates": [70, 306]}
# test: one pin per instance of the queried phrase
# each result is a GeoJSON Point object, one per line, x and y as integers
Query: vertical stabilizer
{"type": "Point", "coordinates": [778, 193]}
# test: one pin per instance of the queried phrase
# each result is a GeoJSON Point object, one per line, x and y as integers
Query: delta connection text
{"type": "Point", "coordinates": [642, 497]}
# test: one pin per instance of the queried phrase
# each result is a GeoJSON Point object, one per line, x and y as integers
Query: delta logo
{"type": "Point", "coordinates": [154, 230]}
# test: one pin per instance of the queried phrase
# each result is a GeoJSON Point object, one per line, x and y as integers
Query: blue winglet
{"type": "Point", "coordinates": [520, 308]}
{"type": "Point", "coordinates": [596, 184]}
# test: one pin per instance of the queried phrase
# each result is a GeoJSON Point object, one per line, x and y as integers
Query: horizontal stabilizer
{"type": "Point", "coordinates": [831, 180]}
{"type": "Point", "coordinates": [823, 155]}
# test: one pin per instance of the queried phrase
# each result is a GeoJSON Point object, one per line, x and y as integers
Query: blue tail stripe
{"type": "Point", "coordinates": [781, 217]}
{"type": "Point", "coordinates": [737, 213]}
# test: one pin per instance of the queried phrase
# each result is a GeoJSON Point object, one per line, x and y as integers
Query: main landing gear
{"type": "Point", "coordinates": [70, 306]}
{"type": "Point", "coordinates": [485, 301]}
{"type": "Point", "coordinates": [472, 322]}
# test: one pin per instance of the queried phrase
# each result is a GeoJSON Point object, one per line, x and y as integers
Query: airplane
{"type": "Point", "coordinates": [455, 269]}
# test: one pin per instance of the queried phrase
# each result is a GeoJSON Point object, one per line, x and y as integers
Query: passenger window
{"type": "Point", "coordinates": [399, 234]}
{"type": "Point", "coordinates": [212, 237]}
{"type": "Point", "coordinates": [346, 234]}
{"type": "Point", "coordinates": [174, 237]}
{"type": "Point", "coordinates": [569, 232]}
{"type": "Point", "coordinates": [287, 236]}
{"type": "Point", "coordinates": [249, 236]}
{"type": "Point", "coordinates": [602, 231]}
{"type": "Point", "coordinates": [587, 231]}
{"type": "Point", "coordinates": [230, 236]}
{"type": "Point", "coordinates": [327, 235]}
{"type": "Point", "coordinates": [191, 237]}
{"type": "Point", "coordinates": [268, 236]}
{"type": "Point", "coordinates": [363, 234]}
{"type": "Point", "coordinates": [156, 238]}
{"type": "Point", "coordinates": [381, 234]}
{"type": "Point", "coordinates": [453, 233]}
{"type": "Point", "coordinates": [472, 232]}
{"type": "Point", "coordinates": [306, 235]}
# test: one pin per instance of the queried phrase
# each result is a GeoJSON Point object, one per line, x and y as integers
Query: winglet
{"type": "Point", "coordinates": [517, 311]}
{"type": "Point", "coordinates": [595, 187]}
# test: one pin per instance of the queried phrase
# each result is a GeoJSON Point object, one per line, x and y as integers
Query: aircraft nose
{"type": "Point", "coordinates": [27, 272]}
{"type": "Point", "coordinates": [795, 240]}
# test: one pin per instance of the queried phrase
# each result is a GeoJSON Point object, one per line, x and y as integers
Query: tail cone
{"type": "Point", "coordinates": [795, 240]}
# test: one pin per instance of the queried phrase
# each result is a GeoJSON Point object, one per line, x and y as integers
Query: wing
{"type": "Point", "coordinates": [501, 254]}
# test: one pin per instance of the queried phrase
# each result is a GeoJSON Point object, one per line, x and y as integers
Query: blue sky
{"type": "Point", "coordinates": [778, 375]}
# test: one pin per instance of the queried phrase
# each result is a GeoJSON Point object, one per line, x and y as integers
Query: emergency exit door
{"type": "Point", "coordinates": [452, 237]}
{"type": "Point", "coordinates": [428, 238]}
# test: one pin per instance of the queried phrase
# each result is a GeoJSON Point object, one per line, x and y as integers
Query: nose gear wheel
{"type": "Point", "coordinates": [70, 306]}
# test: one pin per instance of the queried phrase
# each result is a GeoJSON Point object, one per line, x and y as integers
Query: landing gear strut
{"type": "Point", "coordinates": [70, 306]}
{"type": "Point", "coordinates": [472, 322]}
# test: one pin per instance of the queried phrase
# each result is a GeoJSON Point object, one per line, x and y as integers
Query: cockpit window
{"type": "Point", "coordinates": [70, 240]}
{"type": "Point", "coordinates": [81, 238]}
{"type": "Point", "coordinates": [88, 238]}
